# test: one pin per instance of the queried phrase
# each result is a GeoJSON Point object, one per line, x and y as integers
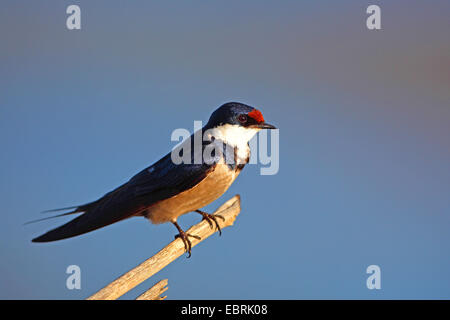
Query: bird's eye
{"type": "Point", "coordinates": [242, 118]}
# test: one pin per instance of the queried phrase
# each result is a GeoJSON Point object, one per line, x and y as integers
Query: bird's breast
{"type": "Point", "coordinates": [209, 189]}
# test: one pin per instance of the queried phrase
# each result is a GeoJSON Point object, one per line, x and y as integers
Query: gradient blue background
{"type": "Point", "coordinates": [364, 120]}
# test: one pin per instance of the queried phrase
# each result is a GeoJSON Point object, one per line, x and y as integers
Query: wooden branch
{"type": "Point", "coordinates": [154, 293]}
{"type": "Point", "coordinates": [229, 210]}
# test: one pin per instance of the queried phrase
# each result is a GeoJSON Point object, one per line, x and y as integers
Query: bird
{"type": "Point", "coordinates": [169, 188]}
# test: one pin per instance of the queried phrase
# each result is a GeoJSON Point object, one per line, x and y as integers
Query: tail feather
{"type": "Point", "coordinates": [114, 206]}
{"type": "Point", "coordinates": [47, 218]}
{"type": "Point", "coordinates": [81, 208]}
{"type": "Point", "coordinates": [97, 214]}
{"type": "Point", "coordinates": [60, 209]}
{"type": "Point", "coordinates": [81, 224]}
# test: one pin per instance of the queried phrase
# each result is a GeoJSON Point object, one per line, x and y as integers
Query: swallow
{"type": "Point", "coordinates": [167, 189]}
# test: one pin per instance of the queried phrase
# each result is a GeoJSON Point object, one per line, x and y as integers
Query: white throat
{"type": "Point", "coordinates": [235, 136]}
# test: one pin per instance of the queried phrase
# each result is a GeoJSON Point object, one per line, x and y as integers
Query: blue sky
{"type": "Point", "coordinates": [364, 122]}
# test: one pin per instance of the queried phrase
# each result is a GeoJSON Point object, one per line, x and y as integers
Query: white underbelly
{"type": "Point", "coordinates": [208, 190]}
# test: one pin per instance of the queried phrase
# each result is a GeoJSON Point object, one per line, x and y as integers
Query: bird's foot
{"type": "Point", "coordinates": [212, 218]}
{"type": "Point", "coordinates": [187, 243]}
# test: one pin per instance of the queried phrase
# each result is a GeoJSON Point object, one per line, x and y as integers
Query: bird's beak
{"type": "Point", "coordinates": [264, 125]}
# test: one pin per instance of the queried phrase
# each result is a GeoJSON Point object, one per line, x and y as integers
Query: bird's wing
{"type": "Point", "coordinates": [160, 181]}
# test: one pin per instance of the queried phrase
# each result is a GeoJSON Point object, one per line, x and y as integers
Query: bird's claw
{"type": "Point", "coordinates": [210, 218]}
{"type": "Point", "coordinates": [187, 243]}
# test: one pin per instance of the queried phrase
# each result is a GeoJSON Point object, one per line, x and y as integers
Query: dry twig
{"type": "Point", "coordinates": [154, 293]}
{"type": "Point", "coordinates": [229, 210]}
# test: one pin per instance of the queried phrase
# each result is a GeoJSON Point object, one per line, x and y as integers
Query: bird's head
{"type": "Point", "coordinates": [236, 122]}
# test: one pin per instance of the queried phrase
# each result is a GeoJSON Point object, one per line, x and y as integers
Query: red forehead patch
{"type": "Point", "coordinates": [257, 115]}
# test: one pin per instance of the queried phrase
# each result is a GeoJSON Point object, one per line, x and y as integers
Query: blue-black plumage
{"type": "Point", "coordinates": [166, 190]}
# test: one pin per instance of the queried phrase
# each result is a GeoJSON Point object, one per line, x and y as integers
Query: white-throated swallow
{"type": "Point", "coordinates": [166, 190]}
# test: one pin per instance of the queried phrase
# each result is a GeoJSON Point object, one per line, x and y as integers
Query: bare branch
{"type": "Point", "coordinates": [154, 293]}
{"type": "Point", "coordinates": [229, 211]}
